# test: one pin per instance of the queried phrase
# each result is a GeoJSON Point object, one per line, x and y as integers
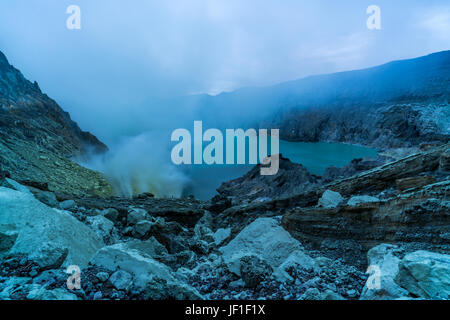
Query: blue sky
{"type": "Point", "coordinates": [128, 51]}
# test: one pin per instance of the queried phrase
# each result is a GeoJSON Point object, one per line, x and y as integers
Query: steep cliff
{"type": "Point", "coordinates": [37, 138]}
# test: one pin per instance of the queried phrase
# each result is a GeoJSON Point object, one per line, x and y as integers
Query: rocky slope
{"type": "Point", "coordinates": [316, 243]}
{"type": "Point", "coordinates": [37, 138]}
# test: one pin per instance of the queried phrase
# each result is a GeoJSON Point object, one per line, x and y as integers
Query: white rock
{"type": "Point", "coordinates": [298, 260]}
{"type": "Point", "coordinates": [357, 200]}
{"type": "Point", "coordinates": [330, 199]}
{"type": "Point", "coordinates": [102, 226]}
{"type": "Point", "coordinates": [37, 224]}
{"type": "Point", "coordinates": [221, 235]}
{"type": "Point", "coordinates": [425, 274]}
{"type": "Point", "coordinates": [264, 238]}
{"type": "Point", "coordinates": [152, 279]}
{"type": "Point", "coordinates": [383, 262]}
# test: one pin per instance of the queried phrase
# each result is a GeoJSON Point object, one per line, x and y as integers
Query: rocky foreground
{"type": "Point", "coordinates": [313, 242]}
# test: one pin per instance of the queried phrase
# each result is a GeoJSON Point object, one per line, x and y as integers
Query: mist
{"type": "Point", "coordinates": [136, 72]}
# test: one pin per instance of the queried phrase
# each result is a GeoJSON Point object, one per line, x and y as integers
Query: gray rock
{"type": "Point", "coordinates": [98, 295]}
{"type": "Point", "coordinates": [312, 294]}
{"type": "Point", "coordinates": [49, 256]}
{"type": "Point", "coordinates": [221, 235]}
{"type": "Point", "coordinates": [425, 274]}
{"type": "Point", "coordinates": [36, 224]}
{"type": "Point", "coordinates": [151, 279]}
{"type": "Point", "coordinates": [41, 293]}
{"type": "Point", "coordinates": [47, 198]}
{"type": "Point", "coordinates": [358, 200]}
{"type": "Point", "coordinates": [296, 260]}
{"type": "Point", "coordinates": [11, 285]}
{"type": "Point", "coordinates": [264, 238]}
{"type": "Point", "coordinates": [141, 228]}
{"type": "Point", "coordinates": [203, 233]}
{"type": "Point", "coordinates": [111, 214]}
{"type": "Point", "coordinates": [102, 276]}
{"type": "Point", "coordinates": [121, 280]}
{"type": "Point", "coordinates": [254, 271]}
{"type": "Point", "coordinates": [330, 199]}
{"type": "Point", "coordinates": [331, 295]}
{"type": "Point", "coordinates": [67, 205]}
{"type": "Point", "coordinates": [383, 268]}
{"type": "Point", "coordinates": [135, 215]}
{"type": "Point", "coordinates": [103, 227]}
{"type": "Point", "coordinates": [8, 236]}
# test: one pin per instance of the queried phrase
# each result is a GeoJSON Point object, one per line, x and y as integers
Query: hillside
{"type": "Point", "coordinates": [37, 138]}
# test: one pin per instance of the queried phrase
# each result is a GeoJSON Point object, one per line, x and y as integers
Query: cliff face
{"type": "Point", "coordinates": [26, 111]}
{"type": "Point", "coordinates": [37, 137]}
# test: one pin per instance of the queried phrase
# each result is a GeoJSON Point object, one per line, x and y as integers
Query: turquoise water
{"type": "Point", "coordinates": [316, 157]}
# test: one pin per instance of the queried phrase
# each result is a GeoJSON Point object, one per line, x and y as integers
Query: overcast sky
{"type": "Point", "coordinates": [128, 51]}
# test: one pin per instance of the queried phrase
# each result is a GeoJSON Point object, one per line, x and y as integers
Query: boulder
{"type": "Point", "coordinates": [330, 199]}
{"type": "Point", "coordinates": [47, 198]}
{"type": "Point", "coordinates": [425, 274]}
{"type": "Point", "coordinates": [49, 256]}
{"type": "Point", "coordinates": [67, 205]}
{"type": "Point", "coordinates": [121, 280]}
{"type": "Point", "coordinates": [383, 263]}
{"type": "Point", "coordinates": [221, 235]}
{"type": "Point", "coordinates": [358, 200]}
{"type": "Point", "coordinates": [264, 238]}
{"type": "Point", "coordinates": [37, 224]}
{"type": "Point", "coordinates": [111, 214]}
{"type": "Point", "coordinates": [103, 227]}
{"type": "Point", "coordinates": [41, 293]}
{"type": "Point", "coordinates": [135, 215]}
{"type": "Point", "coordinates": [151, 279]}
{"type": "Point", "coordinates": [141, 228]}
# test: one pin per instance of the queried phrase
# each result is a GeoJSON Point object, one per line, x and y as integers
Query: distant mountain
{"type": "Point", "coordinates": [37, 137]}
{"type": "Point", "coordinates": [396, 104]}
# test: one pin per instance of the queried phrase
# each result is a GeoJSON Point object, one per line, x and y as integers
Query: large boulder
{"type": "Point", "coordinates": [264, 238]}
{"type": "Point", "coordinates": [383, 268]}
{"type": "Point", "coordinates": [37, 224]}
{"type": "Point", "coordinates": [151, 279]}
{"type": "Point", "coordinates": [103, 227]}
{"type": "Point", "coordinates": [425, 274]}
{"type": "Point", "coordinates": [330, 199]}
